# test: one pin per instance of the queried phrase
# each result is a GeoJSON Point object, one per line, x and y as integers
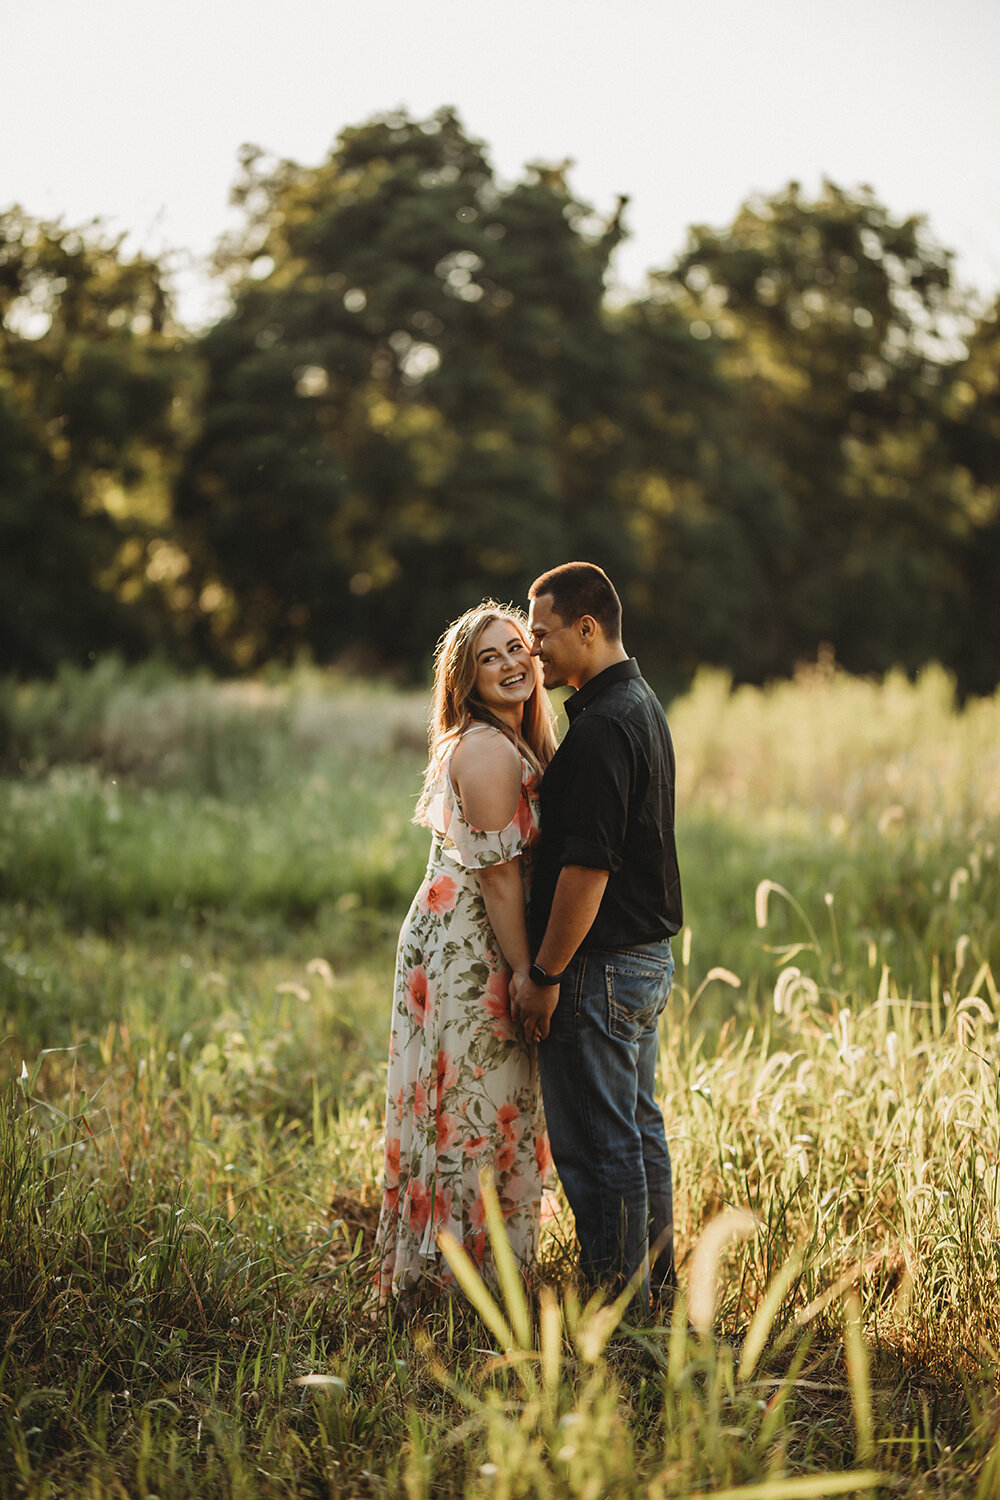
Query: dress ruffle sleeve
{"type": "Point", "coordinates": [476, 848]}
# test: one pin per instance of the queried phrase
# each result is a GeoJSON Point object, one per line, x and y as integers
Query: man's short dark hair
{"type": "Point", "coordinates": [582, 588]}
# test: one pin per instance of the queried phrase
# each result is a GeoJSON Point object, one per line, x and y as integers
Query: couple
{"type": "Point", "coordinates": [544, 917]}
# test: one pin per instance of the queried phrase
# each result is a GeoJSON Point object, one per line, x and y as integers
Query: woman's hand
{"type": "Point", "coordinates": [532, 1007]}
{"type": "Point", "coordinates": [517, 978]}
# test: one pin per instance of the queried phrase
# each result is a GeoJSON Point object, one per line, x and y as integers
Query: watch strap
{"type": "Point", "coordinates": [544, 980]}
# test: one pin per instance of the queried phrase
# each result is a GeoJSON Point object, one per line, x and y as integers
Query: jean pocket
{"type": "Point", "coordinates": [636, 996]}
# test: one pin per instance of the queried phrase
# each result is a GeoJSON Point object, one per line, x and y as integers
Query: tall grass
{"type": "Point", "coordinates": [288, 803]}
{"type": "Point", "coordinates": [210, 804]}
{"type": "Point", "coordinates": [188, 1182]}
{"type": "Point", "coordinates": [880, 796]}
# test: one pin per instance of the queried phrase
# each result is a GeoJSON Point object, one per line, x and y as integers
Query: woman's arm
{"type": "Point", "coordinates": [503, 895]}
{"type": "Point", "coordinates": [486, 774]}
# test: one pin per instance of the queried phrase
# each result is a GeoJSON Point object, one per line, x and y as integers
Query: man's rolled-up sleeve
{"type": "Point", "coordinates": [597, 795]}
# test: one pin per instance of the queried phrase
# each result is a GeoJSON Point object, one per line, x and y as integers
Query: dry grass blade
{"type": "Point", "coordinates": [550, 1342]}
{"type": "Point", "coordinates": [475, 1288]}
{"type": "Point", "coordinates": [760, 1324]}
{"type": "Point", "coordinates": [508, 1274]}
{"type": "Point", "coordinates": [732, 1224]}
{"type": "Point", "coordinates": [857, 1375]}
{"type": "Point", "coordinates": [843, 1283]}
{"type": "Point", "coordinates": [814, 1487]}
{"type": "Point", "coordinates": [599, 1319]}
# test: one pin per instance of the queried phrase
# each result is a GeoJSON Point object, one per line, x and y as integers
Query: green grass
{"type": "Point", "coordinates": [199, 893]}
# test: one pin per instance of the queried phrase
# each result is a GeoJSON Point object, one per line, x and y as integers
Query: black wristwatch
{"type": "Point", "coordinates": [538, 976]}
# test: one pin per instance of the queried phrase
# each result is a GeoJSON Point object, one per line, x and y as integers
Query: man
{"type": "Point", "coordinates": [606, 899]}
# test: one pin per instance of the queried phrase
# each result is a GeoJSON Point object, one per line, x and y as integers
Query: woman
{"type": "Point", "coordinates": [463, 1093]}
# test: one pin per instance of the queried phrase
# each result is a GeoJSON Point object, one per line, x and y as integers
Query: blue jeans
{"type": "Point", "coordinates": [598, 1069]}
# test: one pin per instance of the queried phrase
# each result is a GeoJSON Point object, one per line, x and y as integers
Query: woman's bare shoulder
{"type": "Point", "coordinates": [486, 774]}
{"type": "Point", "coordinates": [484, 746]}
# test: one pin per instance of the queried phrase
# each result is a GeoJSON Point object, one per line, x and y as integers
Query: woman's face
{"type": "Point", "coordinates": [506, 675]}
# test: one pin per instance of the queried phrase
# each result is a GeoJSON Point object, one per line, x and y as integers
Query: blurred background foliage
{"type": "Point", "coordinates": [423, 393]}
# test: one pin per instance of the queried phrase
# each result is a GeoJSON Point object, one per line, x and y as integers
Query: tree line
{"type": "Point", "coordinates": [422, 394]}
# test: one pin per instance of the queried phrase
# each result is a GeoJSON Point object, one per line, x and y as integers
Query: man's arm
{"type": "Point", "coordinates": [578, 894]}
{"type": "Point", "coordinates": [596, 789]}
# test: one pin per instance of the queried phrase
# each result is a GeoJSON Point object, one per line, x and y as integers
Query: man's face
{"type": "Point", "coordinates": [555, 643]}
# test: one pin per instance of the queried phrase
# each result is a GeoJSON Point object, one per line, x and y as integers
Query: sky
{"type": "Point", "coordinates": [134, 112]}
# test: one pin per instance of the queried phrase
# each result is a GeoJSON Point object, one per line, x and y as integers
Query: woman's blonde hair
{"type": "Point", "coordinates": [455, 705]}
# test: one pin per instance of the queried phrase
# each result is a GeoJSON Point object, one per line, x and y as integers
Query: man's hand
{"type": "Point", "coordinates": [531, 1007]}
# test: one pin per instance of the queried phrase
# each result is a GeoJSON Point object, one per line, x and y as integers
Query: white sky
{"type": "Point", "coordinates": [134, 111]}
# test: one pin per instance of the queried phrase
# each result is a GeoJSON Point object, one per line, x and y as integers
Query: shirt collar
{"type": "Point", "coordinates": [619, 671]}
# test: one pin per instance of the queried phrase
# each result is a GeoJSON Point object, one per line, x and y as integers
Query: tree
{"type": "Point", "coordinates": [839, 326]}
{"type": "Point", "coordinates": [88, 374]}
{"type": "Point", "coordinates": [695, 504]}
{"type": "Point", "coordinates": [971, 432]}
{"type": "Point", "coordinates": [417, 399]}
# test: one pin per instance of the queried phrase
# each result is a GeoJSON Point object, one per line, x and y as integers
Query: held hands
{"type": "Point", "coordinates": [531, 1007]}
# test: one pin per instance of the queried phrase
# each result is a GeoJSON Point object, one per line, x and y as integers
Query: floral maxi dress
{"type": "Point", "coordinates": [463, 1092]}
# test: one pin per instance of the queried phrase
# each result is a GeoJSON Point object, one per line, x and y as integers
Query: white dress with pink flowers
{"type": "Point", "coordinates": [463, 1092]}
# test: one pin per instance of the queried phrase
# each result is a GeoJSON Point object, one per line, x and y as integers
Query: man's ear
{"type": "Point", "coordinates": [588, 627]}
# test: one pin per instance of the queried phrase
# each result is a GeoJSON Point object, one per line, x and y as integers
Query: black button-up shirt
{"type": "Point", "coordinates": [607, 802]}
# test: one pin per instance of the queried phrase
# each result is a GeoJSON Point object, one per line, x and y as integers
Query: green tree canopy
{"type": "Point", "coordinates": [418, 397]}
{"type": "Point", "coordinates": [88, 375]}
{"type": "Point", "coordinates": [422, 394]}
{"type": "Point", "coordinates": [841, 330]}
{"type": "Point", "coordinates": [971, 435]}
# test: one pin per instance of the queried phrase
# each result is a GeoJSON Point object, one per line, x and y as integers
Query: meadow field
{"type": "Point", "coordinates": [200, 888]}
